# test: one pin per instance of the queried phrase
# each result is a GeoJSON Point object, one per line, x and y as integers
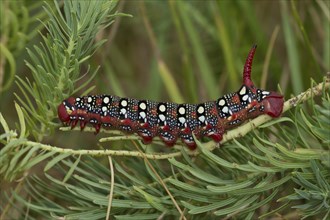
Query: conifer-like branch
{"type": "Point", "coordinates": [55, 64]}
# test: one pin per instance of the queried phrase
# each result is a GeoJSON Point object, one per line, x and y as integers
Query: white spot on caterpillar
{"type": "Point", "coordinates": [162, 117]}
{"type": "Point", "coordinates": [77, 99]}
{"type": "Point", "coordinates": [90, 99]}
{"type": "Point", "coordinates": [143, 106]}
{"type": "Point", "coordinates": [200, 110]}
{"type": "Point", "coordinates": [104, 109]}
{"type": "Point", "coordinates": [222, 102]}
{"type": "Point", "coordinates": [162, 108]}
{"type": "Point", "coordinates": [123, 111]}
{"type": "Point", "coordinates": [106, 100]}
{"type": "Point", "coordinates": [142, 115]}
{"type": "Point", "coordinates": [245, 97]}
{"type": "Point", "coordinates": [182, 120]}
{"type": "Point", "coordinates": [201, 118]}
{"type": "Point", "coordinates": [123, 103]}
{"type": "Point", "coordinates": [242, 91]}
{"type": "Point", "coordinates": [225, 109]}
{"type": "Point", "coordinates": [182, 110]}
{"type": "Point", "coordinates": [265, 92]}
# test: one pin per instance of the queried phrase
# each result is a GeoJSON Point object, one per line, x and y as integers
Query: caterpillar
{"type": "Point", "coordinates": [172, 121]}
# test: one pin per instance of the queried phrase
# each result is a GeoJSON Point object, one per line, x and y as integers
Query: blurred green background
{"type": "Point", "coordinates": [182, 51]}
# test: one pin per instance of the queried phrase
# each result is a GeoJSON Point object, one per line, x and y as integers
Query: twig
{"type": "Point", "coordinates": [111, 187]}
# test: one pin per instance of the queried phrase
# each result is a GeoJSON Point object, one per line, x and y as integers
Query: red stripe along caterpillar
{"type": "Point", "coordinates": [172, 121]}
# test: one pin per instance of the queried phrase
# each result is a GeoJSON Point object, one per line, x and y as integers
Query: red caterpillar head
{"type": "Point", "coordinates": [66, 110]}
{"type": "Point", "coordinates": [272, 102]}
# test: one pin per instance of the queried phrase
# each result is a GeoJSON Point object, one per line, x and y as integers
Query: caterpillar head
{"type": "Point", "coordinates": [66, 110]}
{"type": "Point", "coordinates": [271, 102]}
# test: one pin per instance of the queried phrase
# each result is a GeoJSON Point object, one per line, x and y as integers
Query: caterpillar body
{"type": "Point", "coordinates": [172, 121]}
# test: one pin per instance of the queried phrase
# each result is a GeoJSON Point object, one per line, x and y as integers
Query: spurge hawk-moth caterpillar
{"type": "Point", "coordinates": [172, 121]}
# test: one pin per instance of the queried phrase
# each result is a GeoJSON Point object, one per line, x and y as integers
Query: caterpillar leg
{"type": "Point", "coordinates": [168, 138]}
{"type": "Point", "coordinates": [97, 128]}
{"type": "Point", "coordinates": [168, 135]}
{"type": "Point", "coordinates": [73, 123]}
{"type": "Point", "coordinates": [214, 133]}
{"type": "Point", "coordinates": [217, 137]}
{"type": "Point", "coordinates": [188, 139]}
{"type": "Point", "coordinates": [126, 126]}
{"type": "Point", "coordinates": [146, 132]}
{"type": "Point", "coordinates": [146, 135]}
{"type": "Point", "coordinates": [82, 124]}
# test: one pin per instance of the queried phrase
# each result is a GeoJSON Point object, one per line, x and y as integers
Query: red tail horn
{"type": "Point", "coordinates": [248, 66]}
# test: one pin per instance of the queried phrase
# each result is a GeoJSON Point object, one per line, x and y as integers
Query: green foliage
{"type": "Point", "coordinates": [56, 64]}
{"type": "Point", "coordinates": [281, 166]}
{"type": "Point", "coordinates": [314, 189]}
{"type": "Point", "coordinates": [17, 28]}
